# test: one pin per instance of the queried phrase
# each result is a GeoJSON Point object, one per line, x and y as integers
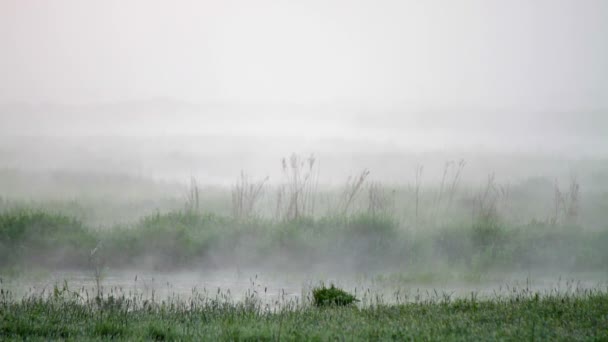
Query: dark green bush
{"type": "Point", "coordinates": [332, 296]}
{"type": "Point", "coordinates": [20, 225]}
{"type": "Point", "coordinates": [43, 238]}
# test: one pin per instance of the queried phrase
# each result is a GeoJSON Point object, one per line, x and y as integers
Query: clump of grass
{"type": "Point", "coordinates": [163, 332]}
{"type": "Point", "coordinates": [296, 198]}
{"type": "Point", "coordinates": [193, 197]}
{"type": "Point", "coordinates": [108, 329]}
{"type": "Point", "coordinates": [351, 190]}
{"type": "Point", "coordinates": [567, 204]}
{"type": "Point", "coordinates": [381, 202]}
{"type": "Point", "coordinates": [245, 196]}
{"type": "Point", "coordinates": [327, 296]}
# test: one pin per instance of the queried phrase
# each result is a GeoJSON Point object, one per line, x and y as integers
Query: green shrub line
{"type": "Point", "coordinates": [361, 241]}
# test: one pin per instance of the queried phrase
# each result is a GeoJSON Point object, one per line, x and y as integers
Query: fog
{"type": "Point", "coordinates": [113, 112]}
{"type": "Point", "coordinates": [273, 77]}
{"type": "Point", "coordinates": [491, 54]}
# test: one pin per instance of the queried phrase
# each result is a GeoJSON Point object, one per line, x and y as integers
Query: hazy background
{"type": "Point", "coordinates": [206, 88]}
{"type": "Point", "coordinates": [109, 107]}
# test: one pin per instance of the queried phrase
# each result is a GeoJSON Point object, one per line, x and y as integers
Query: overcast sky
{"type": "Point", "coordinates": [531, 54]}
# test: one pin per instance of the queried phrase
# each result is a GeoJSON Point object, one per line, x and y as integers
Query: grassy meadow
{"type": "Point", "coordinates": [65, 315]}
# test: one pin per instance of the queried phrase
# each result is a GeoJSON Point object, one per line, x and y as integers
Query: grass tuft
{"type": "Point", "coordinates": [327, 296]}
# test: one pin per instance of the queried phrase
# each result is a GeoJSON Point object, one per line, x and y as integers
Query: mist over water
{"type": "Point", "coordinates": [206, 143]}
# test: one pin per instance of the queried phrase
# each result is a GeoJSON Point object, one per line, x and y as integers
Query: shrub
{"type": "Point", "coordinates": [332, 296]}
{"type": "Point", "coordinates": [43, 238]}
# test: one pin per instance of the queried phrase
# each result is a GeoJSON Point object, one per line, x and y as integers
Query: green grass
{"type": "Point", "coordinates": [525, 316]}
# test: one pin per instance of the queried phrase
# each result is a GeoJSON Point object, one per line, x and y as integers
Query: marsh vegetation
{"type": "Point", "coordinates": [459, 243]}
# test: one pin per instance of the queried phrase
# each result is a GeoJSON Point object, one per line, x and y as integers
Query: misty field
{"type": "Point", "coordinates": [283, 170]}
{"type": "Point", "coordinates": [418, 261]}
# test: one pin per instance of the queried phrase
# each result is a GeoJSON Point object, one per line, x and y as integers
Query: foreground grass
{"type": "Point", "coordinates": [65, 315]}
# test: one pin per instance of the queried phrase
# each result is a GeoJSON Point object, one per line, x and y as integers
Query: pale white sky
{"type": "Point", "coordinates": [539, 54]}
